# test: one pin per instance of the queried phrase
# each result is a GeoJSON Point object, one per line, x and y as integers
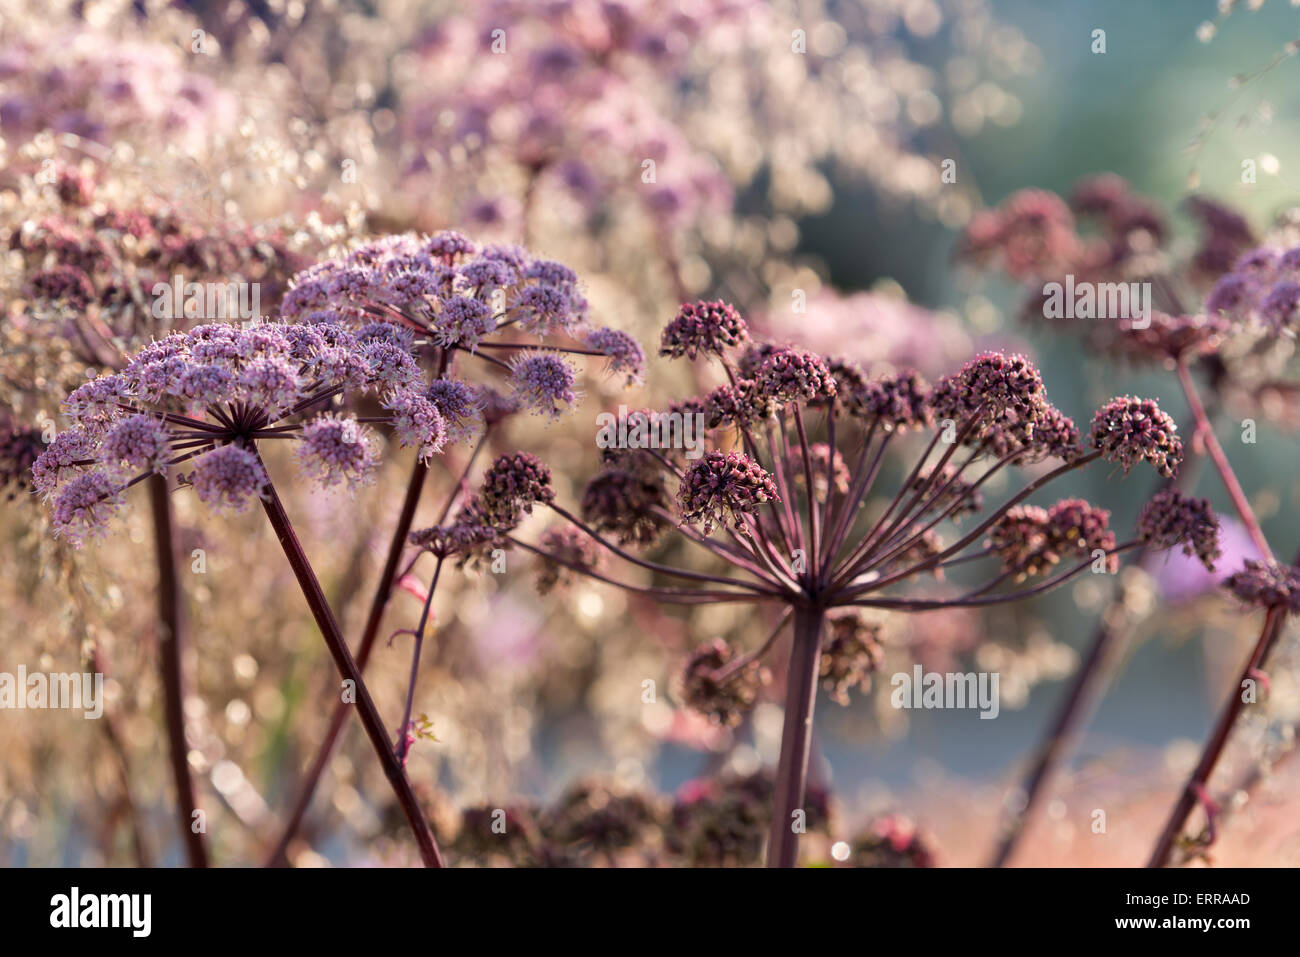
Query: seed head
{"type": "Point", "coordinates": [795, 375]}
{"type": "Point", "coordinates": [511, 486]}
{"type": "Point", "coordinates": [850, 655]}
{"type": "Point", "coordinates": [1172, 518]}
{"type": "Point", "coordinates": [897, 402]}
{"type": "Point", "coordinates": [724, 702]}
{"type": "Point", "coordinates": [724, 486]}
{"type": "Point", "coordinates": [570, 545]}
{"type": "Point", "coordinates": [1267, 585]}
{"type": "Point", "coordinates": [621, 502]}
{"type": "Point", "coordinates": [1129, 430]}
{"type": "Point", "coordinates": [708, 328]}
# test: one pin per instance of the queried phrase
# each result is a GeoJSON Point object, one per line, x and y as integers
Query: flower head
{"type": "Point", "coordinates": [1172, 518]}
{"type": "Point", "coordinates": [72, 450]}
{"type": "Point", "coordinates": [623, 502]}
{"type": "Point", "coordinates": [897, 402]}
{"type": "Point", "coordinates": [142, 442]}
{"type": "Point", "coordinates": [567, 544]}
{"type": "Point", "coordinates": [795, 375]}
{"type": "Point", "coordinates": [335, 449]}
{"type": "Point", "coordinates": [460, 406]}
{"type": "Point", "coordinates": [741, 404]}
{"type": "Point", "coordinates": [464, 321]}
{"type": "Point", "coordinates": [851, 653]}
{"type": "Point", "coordinates": [989, 388]}
{"type": "Point", "coordinates": [543, 309]}
{"type": "Point", "coordinates": [1128, 430]}
{"type": "Point", "coordinates": [228, 478]}
{"type": "Point", "coordinates": [1030, 539]}
{"type": "Point", "coordinates": [511, 486]}
{"type": "Point", "coordinates": [624, 353]}
{"type": "Point", "coordinates": [84, 506]}
{"type": "Point", "coordinates": [1267, 584]}
{"type": "Point", "coordinates": [544, 382]}
{"type": "Point", "coordinates": [703, 327]}
{"type": "Point", "coordinates": [725, 701]}
{"type": "Point", "coordinates": [470, 537]}
{"type": "Point", "coordinates": [724, 486]}
{"type": "Point", "coordinates": [418, 423]}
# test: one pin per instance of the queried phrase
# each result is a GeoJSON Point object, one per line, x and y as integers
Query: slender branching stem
{"type": "Point", "coordinates": [348, 669]}
{"type": "Point", "coordinates": [403, 735]}
{"type": "Point", "coordinates": [1205, 429]}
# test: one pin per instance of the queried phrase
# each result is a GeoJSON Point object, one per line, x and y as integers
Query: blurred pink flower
{"type": "Point", "coordinates": [880, 332]}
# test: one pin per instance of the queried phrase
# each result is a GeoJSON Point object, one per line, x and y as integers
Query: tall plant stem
{"type": "Point", "coordinates": [348, 668]}
{"type": "Point", "coordinates": [1218, 739]}
{"type": "Point", "coordinates": [1072, 713]}
{"type": "Point", "coordinates": [796, 735]}
{"type": "Point", "coordinates": [1206, 431]}
{"type": "Point", "coordinates": [171, 641]}
{"type": "Point", "coordinates": [383, 592]}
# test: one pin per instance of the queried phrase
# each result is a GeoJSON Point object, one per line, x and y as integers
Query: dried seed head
{"type": "Point", "coordinates": [708, 328]}
{"type": "Point", "coordinates": [1172, 518]}
{"type": "Point", "coordinates": [1129, 430]}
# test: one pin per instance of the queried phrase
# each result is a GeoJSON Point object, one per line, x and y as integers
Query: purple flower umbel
{"type": "Point", "coordinates": [208, 397]}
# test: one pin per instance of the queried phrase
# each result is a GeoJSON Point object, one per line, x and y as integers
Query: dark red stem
{"type": "Point", "coordinates": [383, 591]}
{"type": "Point", "coordinates": [348, 669]}
{"type": "Point", "coordinates": [1200, 777]}
{"type": "Point", "coordinates": [171, 640]}
{"type": "Point", "coordinates": [796, 736]}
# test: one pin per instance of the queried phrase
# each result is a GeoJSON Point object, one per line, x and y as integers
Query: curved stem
{"type": "Point", "coordinates": [655, 566]}
{"type": "Point", "coordinates": [403, 740]}
{"type": "Point", "coordinates": [980, 529]}
{"type": "Point", "coordinates": [678, 596]}
{"type": "Point", "coordinates": [1205, 429]}
{"type": "Point", "coordinates": [171, 641]}
{"type": "Point", "coordinates": [1218, 739]}
{"type": "Point", "coordinates": [976, 598]}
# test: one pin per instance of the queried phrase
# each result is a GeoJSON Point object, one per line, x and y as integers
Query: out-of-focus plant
{"type": "Point", "coordinates": [1243, 341]}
